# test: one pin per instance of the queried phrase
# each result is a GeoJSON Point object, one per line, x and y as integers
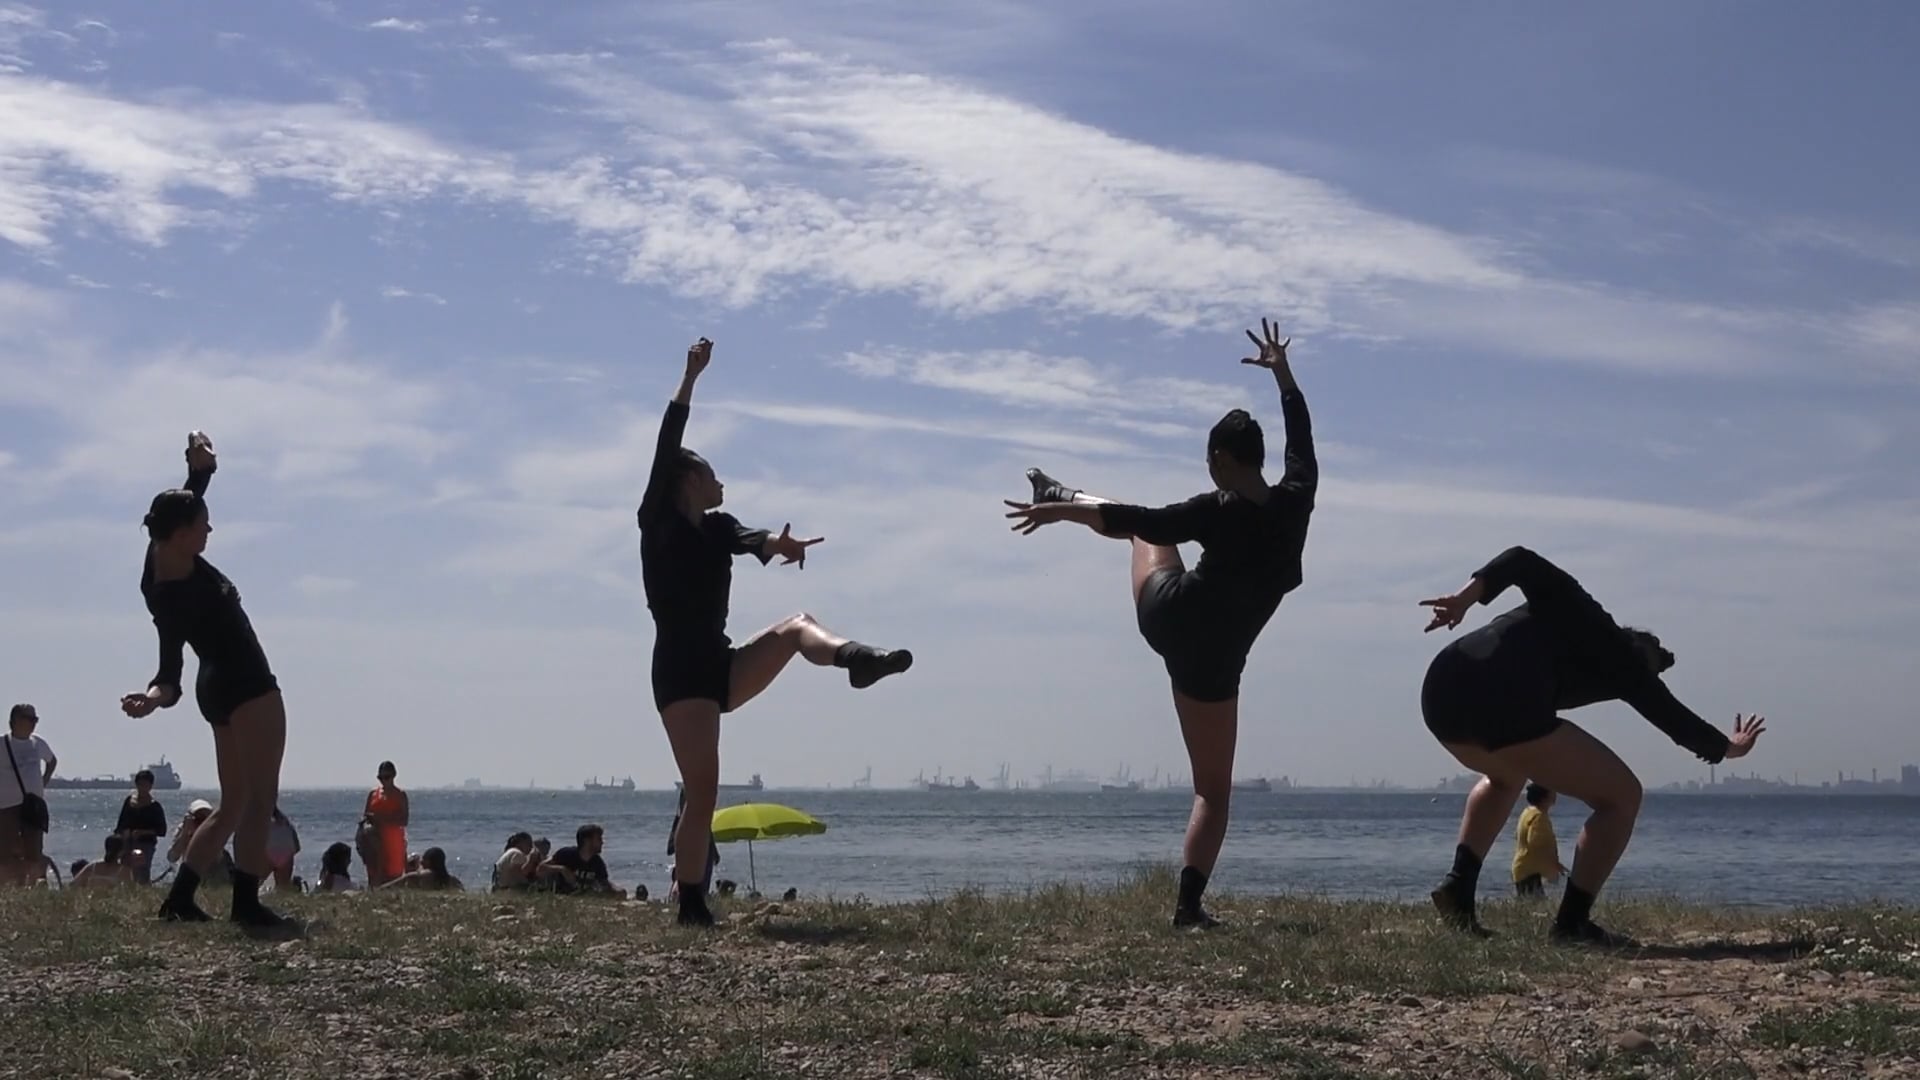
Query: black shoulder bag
{"type": "Point", "coordinates": [33, 808]}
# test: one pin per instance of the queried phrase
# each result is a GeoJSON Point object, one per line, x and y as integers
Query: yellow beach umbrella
{"type": "Point", "coordinates": [762, 821]}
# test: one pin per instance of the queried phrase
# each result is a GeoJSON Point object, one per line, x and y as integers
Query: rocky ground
{"type": "Point", "coordinates": [1061, 983]}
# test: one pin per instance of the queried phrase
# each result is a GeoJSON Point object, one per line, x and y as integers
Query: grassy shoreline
{"type": "Point", "coordinates": [1063, 981]}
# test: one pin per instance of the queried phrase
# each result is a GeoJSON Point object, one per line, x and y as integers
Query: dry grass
{"type": "Point", "coordinates": [1060, 982]}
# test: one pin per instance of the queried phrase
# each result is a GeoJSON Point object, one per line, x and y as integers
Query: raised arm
{"type": "Point", "coordinates": [1302, 465]}
{"type": "Point", "coordinates": [673, 428]}
{"type": "Point", "coordinates": [201, 463]}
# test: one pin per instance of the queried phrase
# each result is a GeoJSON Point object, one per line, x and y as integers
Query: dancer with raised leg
{"type": "Point", "coordinates": [194, 604]}
{"type": "Point", "coordinates": [687, 546]}
{"type": "Point", "coordinates": [1202, 622]}
{"type": "Point", "coordinates": [1492, 697]}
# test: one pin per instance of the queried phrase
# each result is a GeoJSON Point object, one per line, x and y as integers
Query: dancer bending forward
{"type": "Point", "coordinates": [194, 604]}
{"type": "Point", "coordinates": [1202, 622]}
{"type": "Point", "coordinates": [1492, 696]}
{"type": "Point", "coordinates": [686, 560]}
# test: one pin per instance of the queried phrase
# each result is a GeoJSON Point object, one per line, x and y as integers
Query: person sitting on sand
{"type": "Point", "coordinates": [432, 874]}
{"type": "Point", "coordinates": [580, 869]}
{"type": "Point", "coordinates": [511, 869]}
{"type": "Point", "coordinates": [109, 870]}
{"type": "Point", "coordinates": [198, 811]}
{"type": "Point", "coordinates": [336, 869]}
{"type": "Point", "coordinates": [1536, 854]}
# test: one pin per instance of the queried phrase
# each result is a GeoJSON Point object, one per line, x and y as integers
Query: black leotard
{"type": "Point", "coordinates": [687, 569]}
{"type": "Point", "coordinates": [1501, 684]}
{"type": "Point", "coordinates": [1204, 621]}
{"type": "Point", "coordinates": [203, 610]}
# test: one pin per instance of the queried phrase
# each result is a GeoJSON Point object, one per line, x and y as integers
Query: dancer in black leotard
{"type": "Point", "coordinates": [686, 560]}
{"type": "Point", "coordinates": [1492, 697]}
{"type": "Point", "coordinates": [1204, 621]}
{"type": "Point", "coordinates": [194, 604]}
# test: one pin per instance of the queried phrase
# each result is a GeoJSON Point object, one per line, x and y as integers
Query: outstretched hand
{"type": "Point", "coordinates": [1449, 610]}
{"type": "Point", "coordinates": [1028, 517]}
{"type": "Point", "coordinates": [1746, 732]}
{"type": "Point", "coordinates": [790, 549]}
{"type": "Point", "coordinates": [699, 355]}
{"type": "Point", "coordinates": [199, 451]}
{"type": "Point", "coordinates": [1273, 351]}
{"type": "Point", "coordinates": [138, 704]}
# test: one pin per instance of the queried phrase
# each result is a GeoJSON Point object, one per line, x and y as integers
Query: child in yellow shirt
{"type": "Point", "coordinates": [1536, 854]}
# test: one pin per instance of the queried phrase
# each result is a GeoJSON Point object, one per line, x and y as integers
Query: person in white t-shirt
{"type": "Point", "coordinates": [514, 868]}
{"type": "Point", "coordinates": [24, 771]}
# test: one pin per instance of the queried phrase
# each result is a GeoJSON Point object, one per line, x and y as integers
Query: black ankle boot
{"type": "Point", "coordinates": [1048, 490]}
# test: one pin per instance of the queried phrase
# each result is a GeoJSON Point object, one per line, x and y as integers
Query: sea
{"type": "Point", "coordinates": [1760, 851]}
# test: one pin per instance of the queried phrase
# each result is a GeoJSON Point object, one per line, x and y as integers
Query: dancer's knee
{"type": "Point", "coordinates": [1622, 797]}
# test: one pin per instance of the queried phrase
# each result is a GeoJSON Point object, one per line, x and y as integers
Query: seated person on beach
{"type": "Point", "coordinates": [283, 843]}
{"type": "Point", "coordinates": [580, 869]}
{"type": "Point", "coordinates": [513, 871]}
{"type": "Point", "coordinates": [109, 870]}
{"type": "Point", "coordinates": [432, 874]}
{"type": "Point", "coordinates": [1536, 854]}
{"type": "Point", "coordinates": [198, 811]}
{"type": "Point", "coordinates": [336, 869]}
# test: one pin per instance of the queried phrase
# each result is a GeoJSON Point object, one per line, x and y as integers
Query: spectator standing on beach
{"type": "Point", "coordinates": [142, 822]}
{"type": "Point", "coordinates": [23, 799]}
{"type": "Point", "coordinates": [389, 811]}
{"type": "Point", "coordinates": [1536, 854]}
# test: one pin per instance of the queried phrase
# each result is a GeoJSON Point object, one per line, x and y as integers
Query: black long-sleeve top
{"type": "Point", "coordinates": [687, 568]}
{"type": "Point", "coordinates": [1250, 553]}
{"type": "Point", "coordinates": [1564, 634]}
{"type": "Point", "coordinates": [202, 610]}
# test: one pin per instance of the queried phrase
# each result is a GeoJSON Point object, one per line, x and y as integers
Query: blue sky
{"type": "Point", "coordinates": [1636, 288]}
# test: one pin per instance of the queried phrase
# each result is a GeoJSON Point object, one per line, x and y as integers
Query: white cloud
{"type": "Point", "coordinates": [303, 416]}
{"type": "Point", "coordinates": [395, 292]}
{"type": "Point", "coordinates": [1023, 378]}
{"type": "Point", "coordinates": [410, 26]}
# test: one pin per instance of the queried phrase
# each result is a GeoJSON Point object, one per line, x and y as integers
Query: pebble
{"type": "Point", "coordinates": [1636, 983]}
{"type": "Point", "coordinates": [117, 1074]}
{"type": "Point", "coordinates": [1821, 977]}
{"type": "Point", "coordinates": [1409, 1001]}
{"type": "Point", "coordinates": [1634, 1042]}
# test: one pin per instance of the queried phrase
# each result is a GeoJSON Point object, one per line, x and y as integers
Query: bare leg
{"type": "Point", "coordinates": [1572, 762]}
{"type": "Point", "coordinates": [1210, 729]}
{"type": "Point", "coordinates": [765, 655]}
{"type": "Point", "coordinates": [261, 729]}
{"type": "Point", "coordinates": [1489, 806]}
{"type": "Point", "coordinates": [693, 730]}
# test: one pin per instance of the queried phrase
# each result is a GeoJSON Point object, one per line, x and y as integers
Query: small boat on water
{"type": "Point", "coordinates": [164, 779]}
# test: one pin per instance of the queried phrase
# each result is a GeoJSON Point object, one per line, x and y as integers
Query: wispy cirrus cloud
{"type": "Point", "coordinates": [395, 292]}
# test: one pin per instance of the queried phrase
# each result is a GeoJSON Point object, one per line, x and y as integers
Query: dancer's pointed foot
{"type": "Point", "coordinates": [866, 665]}
{"type": "Point", "coordinates": [1048, 490]}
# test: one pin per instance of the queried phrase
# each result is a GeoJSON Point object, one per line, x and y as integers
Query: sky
{"type": "Point", "coordinates": [1638, 288]}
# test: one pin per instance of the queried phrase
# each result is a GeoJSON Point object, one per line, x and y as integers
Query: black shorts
{"type": "Point", "coordinates": [1179, 626]}
{"type": "Point", "coordinates": [684, 670]}
{"type": "Point", "coordinates": [219, 692]}
{"type": "Point", "coordinates": [1465, 703]}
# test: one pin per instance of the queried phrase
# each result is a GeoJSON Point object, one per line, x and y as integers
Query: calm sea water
{"type": "Point", "coordinates": [1767, 851]}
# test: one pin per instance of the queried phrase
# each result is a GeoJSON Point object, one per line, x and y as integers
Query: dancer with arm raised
{"type": "Point", "coordinates": [192, 603]}
{"type": "Point", "coordinates": [687, 547]}
{"type": "Point", "coordinates": [1493, 697]}
{"type": "Point", "coordinates": [1204, 621]}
